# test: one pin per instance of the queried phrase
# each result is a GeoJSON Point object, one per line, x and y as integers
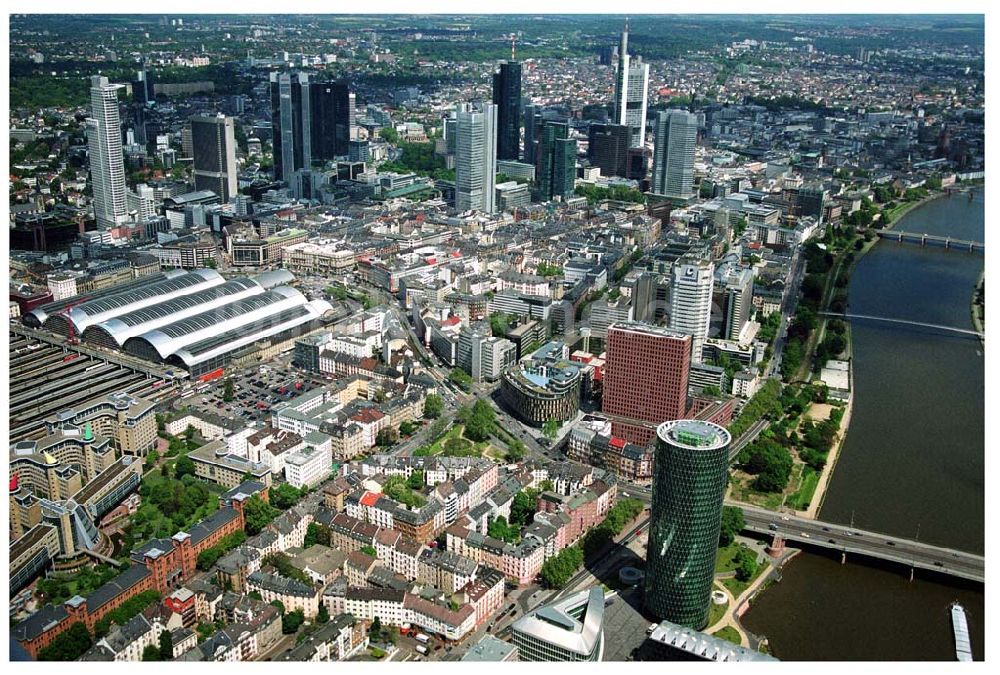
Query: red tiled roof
{"type": "Point", "coordinates": [369, 499]}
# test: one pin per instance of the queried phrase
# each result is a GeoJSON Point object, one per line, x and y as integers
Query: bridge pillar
{"type": "Point", "coordinates": [776, 547]}
{"type": "Point", "coordinates": [923, 240]}
{"type": "Point", "coordinates": [843, 557]}
{"type": "Point", "coordinates": [911, 575]}
{"type": "Point", "coordinates": [947, 243]}
{"type": "Point", "coordinates": [900, 237]}
{"type": "Point", "coordinates": [971, 244]}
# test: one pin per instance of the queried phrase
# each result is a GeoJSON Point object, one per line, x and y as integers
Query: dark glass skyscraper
{"type": "Point", "coordinates": [331, 116]}
{"type": "Point", "coordinates": [685, 518]}
{"type": "Point", "coordinates": [555, 169]}
{"type": "Point", "coordinates": [507, 99]}
{"type": "Point", "coordinates": [608, 148]}
{"type": "Point", "coordinates": [291, 125]}
{"type": "Point", "coordinates": [532, 126]}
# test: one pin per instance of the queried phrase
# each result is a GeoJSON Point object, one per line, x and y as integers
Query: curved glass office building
{"type": "Point", "coordinates": [689, 484]}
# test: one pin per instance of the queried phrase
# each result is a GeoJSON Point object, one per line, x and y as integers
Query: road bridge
{"type": "Point", "coordinates": [846, 539]}
{"type": "Point", "coordinates": [906, 322]}
{"type": "Point", "coordinates": [925, 239]}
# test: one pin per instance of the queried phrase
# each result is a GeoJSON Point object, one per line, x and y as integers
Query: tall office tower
{"type": "Point", "coordinates": [738, 290]}
{"type": "Point", "coordinates": [645, 379]}
{"type": "Point", "coordinates": [631, 91]}
{"type": "Point", "coordinates": [214, 141]}
{"type": "Point", "coordinates": [570, 629]}
{"type": "Point", "coordinates": [532, 125]}
{"type": "Point", "coordinates": [608, 148]}
{"type": "Point", "coordinates": [689, 482]}
{"type": "Point", "coordinates": [331, 115]}
{"type": "Point", "coordinates": [555, 166]}
{"type": "Point", "coordinates": [673, 153]}
{"type": "Point", "coordinates": [691, 301]}
{"type": "Point", "coordinates": [475, 157]}
{"type": "Point", "coordinates": [290, 124]}
{"type": "Point", "coordinates": [644, 297]}
{"type": "Point", "coordinates": [142, 88]}
{"type": "Point", "coordinates": [507, 99]}
{"type": "Point", "coordinates": [104, 145]}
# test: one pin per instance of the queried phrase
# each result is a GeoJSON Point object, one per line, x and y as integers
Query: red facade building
{"type": "Point", "coordinates": [645, 379]}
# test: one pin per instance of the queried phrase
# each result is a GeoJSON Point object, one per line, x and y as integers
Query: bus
{"type": "Point", "coordinates": [422, 638]}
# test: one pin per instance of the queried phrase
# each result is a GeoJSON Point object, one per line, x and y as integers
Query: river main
{"type": "Point", "coordinates": [912, 464]}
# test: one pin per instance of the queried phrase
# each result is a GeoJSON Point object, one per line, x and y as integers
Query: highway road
{"type": "Point", "coordinates": [788, 303]}
{"type": "Point", "coordinates": [874, 544]}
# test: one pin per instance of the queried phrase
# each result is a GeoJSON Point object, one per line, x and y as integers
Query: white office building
{"type": "Point", "coordinates": [631, 91]}
{"type": "Point", "coordinates": [476, 157]}
{"type": "Point", "coordinates": [691, 302]}
{"type": "Point", "coordinates": [104, 144]}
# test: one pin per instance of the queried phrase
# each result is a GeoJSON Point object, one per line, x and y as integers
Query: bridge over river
{"type": "Point", "coordinates": [913, 554]}
{"type": "Point", "coordinates": [907, 322]}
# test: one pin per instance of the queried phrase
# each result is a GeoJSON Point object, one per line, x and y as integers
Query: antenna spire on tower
{"type": "Point", "coordinates": [513, 39]}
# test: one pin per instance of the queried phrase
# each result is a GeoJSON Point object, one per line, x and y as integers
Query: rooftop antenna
{"type": "Point", "coordinates": [513, 39]}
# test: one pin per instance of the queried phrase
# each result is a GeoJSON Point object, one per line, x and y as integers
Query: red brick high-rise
{"type": "Point", "coordinates": [645, 379]}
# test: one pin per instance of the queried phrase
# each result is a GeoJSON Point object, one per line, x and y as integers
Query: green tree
{"type": "Point", "coordinates": [323, 615]}
{"type": "Point", "coordinates": [550, 429]}
{"type": "Point", "coordinates": [228, 390]}
{"type": "Point", "coordinates": [284, 496]}
{"type": "Point", "coordinates": [152, 458]}
{"type": "Point", "coordinates": [389, 135]}
{"type": "Point", "coordinates": [369, 550]}
{"type": "Point", "coordinates": [151, 653]}
{"type": "Point", "coordinates": [257, 514]}
{"type": "Point", "coordinates": [416, 480]}
{"type": "Point", "coordinates": [279, 605]}
{"type": "Point", "coordinates": [433, 406]}
{"type": "Point", "coordinates": [376, 626]}
{"type": "Point", "coordinates": [522, 510]}
{"type": "Point", "coordinates": [479, 424]}
{"type": "Point", "coordinates": [461, 378]}
{"type": "Point", "coordinates": [291, 621]}
{"type": "Point", "coordinates": [166, 646]}
{"type": "Point", "coordinates": [184, 467]}
{"type": "Point", "coordinates": [516, 451]}
{"type": "Point", "coordinates": [407, 428]}
{"type": "Point", "coordinates": [746, 564]}
{"type": "Point", "coordinates": [732, 523]}
{"type": "Point", "coordinates": [68, 645]}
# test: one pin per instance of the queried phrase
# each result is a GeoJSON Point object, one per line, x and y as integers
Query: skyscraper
{"type": "Point", "coordinates": [104, 145]}
{"type": "Point", "coordinates": [532, 125]}
{"type": "Point", "coordinates": [290, 124]}
{"type": "Point", "coordinates": [608, 147]}
{"type": "Point", "coordinates": [331, 117]}
{"type": "Point", "coordinates": [689, 482]}
{"type": "Point", "coordinates": [214, 141]}
{"type": "Point", "coordinates": [475, 157]}
{"type": "Point", "coordinates": [555, 166]}
{"type": "Point", "coordinates": [691, 301]}
{"type": "Point", "coordinates": [631, 91]}
{"type": "Point", "coordinates": [507, 99]}
{"type": "Point", "coordinates": [738, 289]}
{"type": "Point", "coordinates": [673, 153]}
{"type": "Point", "coordinates": [645, 379]}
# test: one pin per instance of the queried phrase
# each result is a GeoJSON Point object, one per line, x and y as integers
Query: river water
{"type": "Point", "coordinates": [912, 464]}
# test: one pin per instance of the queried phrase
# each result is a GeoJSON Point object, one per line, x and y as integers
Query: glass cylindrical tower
{"type": "Point", "coordinates": [689, 484]}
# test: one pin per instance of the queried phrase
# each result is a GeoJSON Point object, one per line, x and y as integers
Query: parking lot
{"type": "Point", "coordinates": [255, 391]}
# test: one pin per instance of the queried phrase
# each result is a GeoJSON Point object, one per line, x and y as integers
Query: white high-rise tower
{"type": "Point", "coordinates": [475, 157]}
{"type": "Point", "coordinates": [691, 301]}
{"type": "Point", "coordinates": [631, 91]}
{"type": "Point", "coordinates": [107, 165]}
